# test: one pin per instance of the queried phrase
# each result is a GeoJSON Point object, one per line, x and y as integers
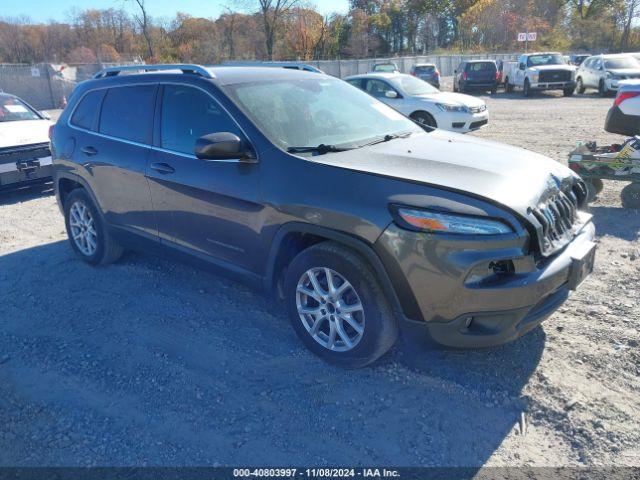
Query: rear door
{"type": "Point", "coordinates": [210, 208]}
{"type": "Point", "coordinates": [114, 149]}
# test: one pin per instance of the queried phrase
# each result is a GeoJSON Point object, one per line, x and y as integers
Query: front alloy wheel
{"type": "Point", "coordinates": [337, 307]}
{"type": "Point", "coordinates": [330, 309]}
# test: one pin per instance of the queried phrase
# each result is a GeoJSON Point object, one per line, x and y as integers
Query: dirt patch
{"type": "Point", "coordinates": [149, 362]}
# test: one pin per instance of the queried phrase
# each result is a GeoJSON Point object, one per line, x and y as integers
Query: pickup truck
{"type": "Point", "coordinates": [540, 71]}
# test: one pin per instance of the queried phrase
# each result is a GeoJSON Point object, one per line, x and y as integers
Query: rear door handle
{"type": "Point", "coordinates": [89, 151]}
{"type": "Point", "coordinates": [162, 168]}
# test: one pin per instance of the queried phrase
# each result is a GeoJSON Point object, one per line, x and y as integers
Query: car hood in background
{"type": "Point", "coordinates": [453, 98]}
{"type": "Point", "coordinates": [511, 176]}
{"type": "Point", "coordinates": [24, 132]}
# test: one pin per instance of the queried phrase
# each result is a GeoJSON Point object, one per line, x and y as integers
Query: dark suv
{"type": "Point", "coordinates": [476, 75]}
{"type": "Point", "coordinates": [305, 186]}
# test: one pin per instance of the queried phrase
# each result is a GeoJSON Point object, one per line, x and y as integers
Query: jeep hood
{"type": "Point", "coordinates": [511, 176]}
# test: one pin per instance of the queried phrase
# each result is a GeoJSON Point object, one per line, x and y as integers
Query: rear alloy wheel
{"type": "Point", "coordinates": [631, 195]}
{"type": "Point", "coordinates": [337, 307]}
{"type": "Point", "coordinates": [425, 120]}
{"type": "Point", "coordinates": [86, 230]}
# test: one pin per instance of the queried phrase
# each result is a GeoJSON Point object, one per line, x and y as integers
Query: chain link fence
{"type": "Point", "coordinates": [47, 86]}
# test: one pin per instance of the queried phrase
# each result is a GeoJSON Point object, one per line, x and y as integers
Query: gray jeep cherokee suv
{"type": "Point", "coordinates": [298, 183]}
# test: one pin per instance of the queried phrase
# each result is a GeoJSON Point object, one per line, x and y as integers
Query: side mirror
{"type": "Point", "coordinates": [522, 67]}
{"type": "Point", "coordinates": [223, 146]}
{"type": "Point", "coordinates": [45, 115]}
{"type": "Point", "coordinates": [391, 94]}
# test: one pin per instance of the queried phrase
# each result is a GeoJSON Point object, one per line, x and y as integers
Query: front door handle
{"type": "Point", "coordinates": [162, 168]}
{"type": "Point", "coordinates": [89, 151]}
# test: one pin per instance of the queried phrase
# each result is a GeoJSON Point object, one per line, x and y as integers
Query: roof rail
{"type": "Point", "coordinates": [186, 68]}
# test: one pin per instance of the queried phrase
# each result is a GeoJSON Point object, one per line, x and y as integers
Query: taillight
{"type": "Point", "coordinates": [437, 73]}
{"type": "Point", "coordinates": [414, 74]}
{"type": "Point", "coordinates": [497, 75]}
{"type": "Point", "coordinates": [51, 130]}
{"type": "Point", "coordinates": [622, 96]}
{"type": "Point", "coordinates": [465, 76]}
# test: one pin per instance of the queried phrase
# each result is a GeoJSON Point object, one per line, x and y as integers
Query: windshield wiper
{"type": "Point", "coordinates": [387, 138]}
{"type": "Point", "coordinates": [320, 149]}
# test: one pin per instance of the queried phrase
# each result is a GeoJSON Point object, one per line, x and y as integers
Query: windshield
{"type": "Point", "coordinates": [623, 62]}
{"type": "Point", "coordinates": [545, 59]}
{"type": "Point", "coordinates": [414, 86]}
{"type": "Point", "coordinates": [13, 110]}
{"type": "Point", "coordinates": [317, 111]}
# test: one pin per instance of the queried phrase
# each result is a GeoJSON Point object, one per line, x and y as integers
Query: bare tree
{"type": "Point", "coordinates": [272, 12]}
{"type": "Point", "coordinates": [632, 11]}
{"type": "Point", "coordinates": [144, 21]}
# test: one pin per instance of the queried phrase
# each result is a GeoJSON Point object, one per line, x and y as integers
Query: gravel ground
{"type": "Point", "coordinates": [149, 362]}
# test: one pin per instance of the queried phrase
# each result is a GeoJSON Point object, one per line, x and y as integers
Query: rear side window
{"type": "Point", "coordinates": [481, 67]}
{"type": "Point", "coordinates": [86, 112]}
{"type": "Point", "coordinates": [188, 114]}
{"type": "Point", "coordinates": [127, 113]}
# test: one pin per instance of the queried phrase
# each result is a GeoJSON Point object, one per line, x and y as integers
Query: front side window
{"type": "Point", "coordinates": [315, 111]}
{"type": "Point", "coordinates": [14, 110]}
{"type": "Point", "coordinates": [86, 112]}
{"type": "Point", "coordinates": [188, 114]}
{"type": "Point", "coordinates": [127, 113]}
{"type": "Point", "coordinates": [378, 88]}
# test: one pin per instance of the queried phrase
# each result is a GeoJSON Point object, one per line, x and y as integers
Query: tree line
{"type": "Point", "coordinates": [294, 30]}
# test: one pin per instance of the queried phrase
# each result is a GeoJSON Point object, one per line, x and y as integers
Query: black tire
{"type": "Point", "coordinates": [602, 89]}
{"type": "Point", "coordinates": [630, 195]}
{"type": "Point", "coordinates": [526, 90]}
{"type": "Point", "coordinates": [380, 327]}
{"type": "Point", "coordinates": [508, 88]}
{"type": "Point", "coordinates": [568, 92]}
{"type": "Point", "coordinates": [592, 190]}
{"type": "Point", "coordinates": [455, 88]}
{"type": "Point", "coordinates": [494, 90]}
{"type": "Point", "coordinates": [597, 183]}
{"type": "Point", "coordinates": [424, 119]}
{"type": "Point", "coordinates": [107, 250]}
{"type": "Point", "coordinates": [580, 88]}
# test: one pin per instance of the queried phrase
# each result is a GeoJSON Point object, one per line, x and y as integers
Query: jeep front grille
{"type": "Point", "coordinates": [557, 216]}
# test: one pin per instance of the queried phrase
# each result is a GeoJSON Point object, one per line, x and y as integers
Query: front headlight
{"type": "Point", "coordinates": [441, 222]}
{"type": "Point", "coordinates": [445, 107]}
{"type": "Point", "coordinates": [535, 76]}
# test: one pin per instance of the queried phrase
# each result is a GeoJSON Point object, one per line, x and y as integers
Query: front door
{"type": "Point", "coordinates": [208, 207]}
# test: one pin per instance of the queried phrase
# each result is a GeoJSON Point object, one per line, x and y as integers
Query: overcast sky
{"type": "Point", "coordinates": [44, 10]}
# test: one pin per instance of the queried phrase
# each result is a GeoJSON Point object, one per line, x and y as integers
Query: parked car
{"type": "Point", "coordinates": [359, 220]}
{"type": "Point", "coordinates": [424, 103]}
{"type": "Point", "coordinates": [476, 75]}
{"type": "Point", "coordinates": [540, 71]}
{"type": "Point", "coordinates": [427, 72]}
{"type": "Point", "coordinates": [604, 73]}
{"type": "Point", "coordinates": [24, 143]}
{"type": "Point", "coordinates": [624, 116]}
{"type": "Point", "coordinates": [578, 58]}
{"type": "Point", "coordinates": [388, 67]}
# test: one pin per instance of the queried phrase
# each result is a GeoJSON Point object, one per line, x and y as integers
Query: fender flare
{"type": "Point", "coordinates": [76, 179]}
{"type": "Point", "coordinates": [360, 246]}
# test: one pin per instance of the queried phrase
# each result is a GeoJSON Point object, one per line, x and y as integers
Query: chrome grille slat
{"type": "Point", "coordinates": [557, 216]}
